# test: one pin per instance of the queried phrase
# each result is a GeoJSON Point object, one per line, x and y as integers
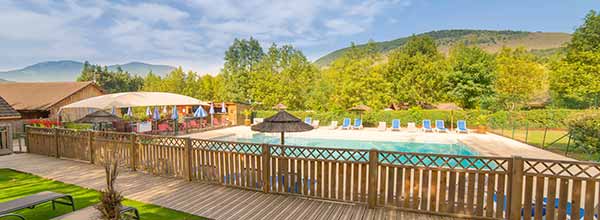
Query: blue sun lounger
{"type": "Point", "coordinates": [308, 120]}
{"type": "Point", "coordinates": [357, 124]}
{"type": "Point", "coordinates": [396, 125]}
{"type": "Point", "coordinates": [439, 126]}
{"type": "Point", "coordinates": [346, 124]}
{"type": "Point", "coordinates": [427, 126]}
{"type": "Point", "coordinates": [461, 126]}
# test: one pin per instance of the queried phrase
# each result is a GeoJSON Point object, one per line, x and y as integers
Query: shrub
{"type": "Point", "coordinates": [585, 131]}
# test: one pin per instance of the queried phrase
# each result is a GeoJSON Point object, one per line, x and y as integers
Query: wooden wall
{"type": "Point", "coordinates": [74, 114]}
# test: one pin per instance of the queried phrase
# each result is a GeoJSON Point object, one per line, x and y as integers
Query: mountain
{"type": "Point", "coordinates": [491, 41]}
{"type": "Point", "coordinates": [68, 70]}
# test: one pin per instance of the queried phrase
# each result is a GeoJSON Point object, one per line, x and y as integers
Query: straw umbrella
{"type": "Point", "coordinates": [360, 108]}
{"type": "Point", "coordinates": [280, 107]}
{"type": "Point", "coordinates": [281, 122]}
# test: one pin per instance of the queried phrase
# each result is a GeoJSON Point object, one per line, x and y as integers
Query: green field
{"type": "Point", "coordinates": [15, 184]}
{"type": "Point", "coordinates": [554, 141]}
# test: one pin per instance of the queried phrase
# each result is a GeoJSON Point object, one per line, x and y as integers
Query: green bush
{"type": "Point", "coordinates": [78, 126]}
{"type": "Point", "coordinates": [551, 118]}
{"type": "Point", "coordinates": [585, 132]}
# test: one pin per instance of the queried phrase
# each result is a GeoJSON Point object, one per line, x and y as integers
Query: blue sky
{"type": "Point", "coordinates": [195, 33]}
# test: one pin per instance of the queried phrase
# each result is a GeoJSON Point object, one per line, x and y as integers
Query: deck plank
{"type": "Point", "coordinates": [209, 200]}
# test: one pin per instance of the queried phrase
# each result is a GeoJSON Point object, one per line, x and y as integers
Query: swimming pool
{"type": "Point", "coordinates": [413, 147]}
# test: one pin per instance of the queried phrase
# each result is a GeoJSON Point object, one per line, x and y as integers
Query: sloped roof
{"type": "Point", "coordinates": [6, 111]}
{"type": "Point", "coordinates": [39, 95]}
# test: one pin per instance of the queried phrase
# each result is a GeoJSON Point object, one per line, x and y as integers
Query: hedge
{"type": "Point", "coordinates": [551, 118]}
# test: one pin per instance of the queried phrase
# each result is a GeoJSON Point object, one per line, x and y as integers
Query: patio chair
{"type": "Point", "coordinates": [315, 124]}
{"type": "Point", "coordinates": [396, 125]}
{"type": "Point", "coordinates": [7, 208]}
{"type": "Point", "coordinates": [346, 124]}
{"type": "Point", "coordinates": [461, 127]}
{"type": "Point", "coordinates": [427, 126]}
{"type": "Point", "coordinates": [357, 124]}
{"type": "Point", "coordinates": [439, 126]}
{"type": "Point", "coordinates": [333, 125]}
{"type": "Point", "coordinates": [216, 122]}
{"type": "Point", "coordinates": [308, 120]}
{"type": "Point", "coordinates": [382, 126]}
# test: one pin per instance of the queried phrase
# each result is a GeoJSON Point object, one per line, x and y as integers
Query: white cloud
{"type": "Point", "coordinates": [194, 33]}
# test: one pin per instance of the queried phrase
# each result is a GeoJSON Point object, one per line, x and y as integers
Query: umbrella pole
{"type": "Point", "coordinates": [282, 139]}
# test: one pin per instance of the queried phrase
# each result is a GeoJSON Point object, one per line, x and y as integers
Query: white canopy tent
{"type": "Point", "coordinates": [135, 99]}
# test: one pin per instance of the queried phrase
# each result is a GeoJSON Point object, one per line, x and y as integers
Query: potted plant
{"type": "Point", "coordinates": [247, 113]}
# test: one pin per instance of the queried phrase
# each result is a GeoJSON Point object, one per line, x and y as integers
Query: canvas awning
{"type": "Point", "coordinates": [135, 99]}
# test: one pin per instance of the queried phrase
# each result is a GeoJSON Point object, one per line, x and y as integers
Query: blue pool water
{"type": "Point", "coordinates": [413, 147]}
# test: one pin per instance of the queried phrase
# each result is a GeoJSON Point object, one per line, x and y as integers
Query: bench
{"type": "Point", "coordinates": [7, 208]}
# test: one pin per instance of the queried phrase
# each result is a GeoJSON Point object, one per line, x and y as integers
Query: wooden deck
{"type": "Point", "coordinates": [213, 201]}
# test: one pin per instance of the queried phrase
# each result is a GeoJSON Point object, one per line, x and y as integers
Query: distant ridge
{"type": "Point", "coordinates": [489, 40]}
{"type": "Point", "coordinates": [68, 70]}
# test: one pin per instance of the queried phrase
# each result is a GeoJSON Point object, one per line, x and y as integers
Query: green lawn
{"type": "Point", "coordinates": [535, 137]}
{"type": "Point", "coordinates": [15, 184]}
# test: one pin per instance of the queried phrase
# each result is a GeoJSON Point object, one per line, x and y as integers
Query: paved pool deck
{"type": "Point", "coordinates": [486, 144]}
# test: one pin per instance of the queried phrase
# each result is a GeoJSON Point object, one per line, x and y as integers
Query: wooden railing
{"type": "Point", "coordinates": [462, 186]}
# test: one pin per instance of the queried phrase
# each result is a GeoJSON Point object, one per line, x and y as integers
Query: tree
{"type": "Point", "coordinates": [519, 77]}
{"type": "Point", "coordinates": [575, 80]}
{"type": "Point", "coordinates": [240, 59]}
{"type": "Point", "coordinates": [471, 76]}
{"type": "Point", "coordinates": [283, 75]}
{"type": "Point", "coordinates": [110, 81]}
{"type": "Point", "coordinates": [417, 72]}
{"type": "Point", "coordinates": [355, 78]}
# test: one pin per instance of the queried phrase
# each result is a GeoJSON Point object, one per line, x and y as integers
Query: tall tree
{"type": "Point", "coordinates": [240, 59]}
{"type": "Point", "coordinates": [110, 81]}
{"type": "Point", "coordinates": [417, 72]}
{"type": "Point", "coordinates": [283, 75]}
{"type": "Point", "coordinates": [472, 74]}
{"type": "Point", "coordinates": [355, 79]}
{"type": "Point", "coordinates": [519, 77]}
{"type": "Point", "coordinates": [575, 80]}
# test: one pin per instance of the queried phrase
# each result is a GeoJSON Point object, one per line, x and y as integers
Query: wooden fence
{"type": "Point", "coordinates": [5, 139]}
{"type": "Point", "coordinates": [462, 186]}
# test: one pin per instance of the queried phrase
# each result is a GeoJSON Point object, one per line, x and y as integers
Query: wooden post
{"type": "Point", "coordinates": [266, 168]}
{"type": "Point", "coordinates": [515, 188]}
{"type": "Point", "coordinates": [57, 146]}
{"type": "Point", "coordinates": [187, 160]}
{"type": "Point", "coordinates": [27, 139]}
{"type": "Point", "coordinates": [373, 164]}
{"type": "Point", "coordinates": [91, 146]}
{"type": "Point", "coordinates": [134, 159]}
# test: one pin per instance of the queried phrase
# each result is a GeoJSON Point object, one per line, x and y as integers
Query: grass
{"type": "Point", "coordinates": [535, 137]}
{"type": "Point", "coordinates": [14, 184]}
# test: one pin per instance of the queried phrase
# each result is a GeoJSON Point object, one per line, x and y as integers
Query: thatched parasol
{"type": "Point", "coordinates": [281, 122]}
{"type": "Point", "coordinates": [280, 106]}
{"type": "Point", "coordinates": [99, 117]}
{"type": "Point", "coordinates": [360, 108]}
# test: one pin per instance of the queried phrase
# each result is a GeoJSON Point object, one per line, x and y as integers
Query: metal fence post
{"type": "Point", "coordinates": [544, 139]}
{"type": "Point", "coordinates": [266, 168]}
{"type": "Point", "coordinates": [187, 166]}
{"type": "Point", "coordinates": [516, 188]}
{"type": "Point", "coordinates": [56, 144]}
{"type": "Point", "coordinates": [373, 165]}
